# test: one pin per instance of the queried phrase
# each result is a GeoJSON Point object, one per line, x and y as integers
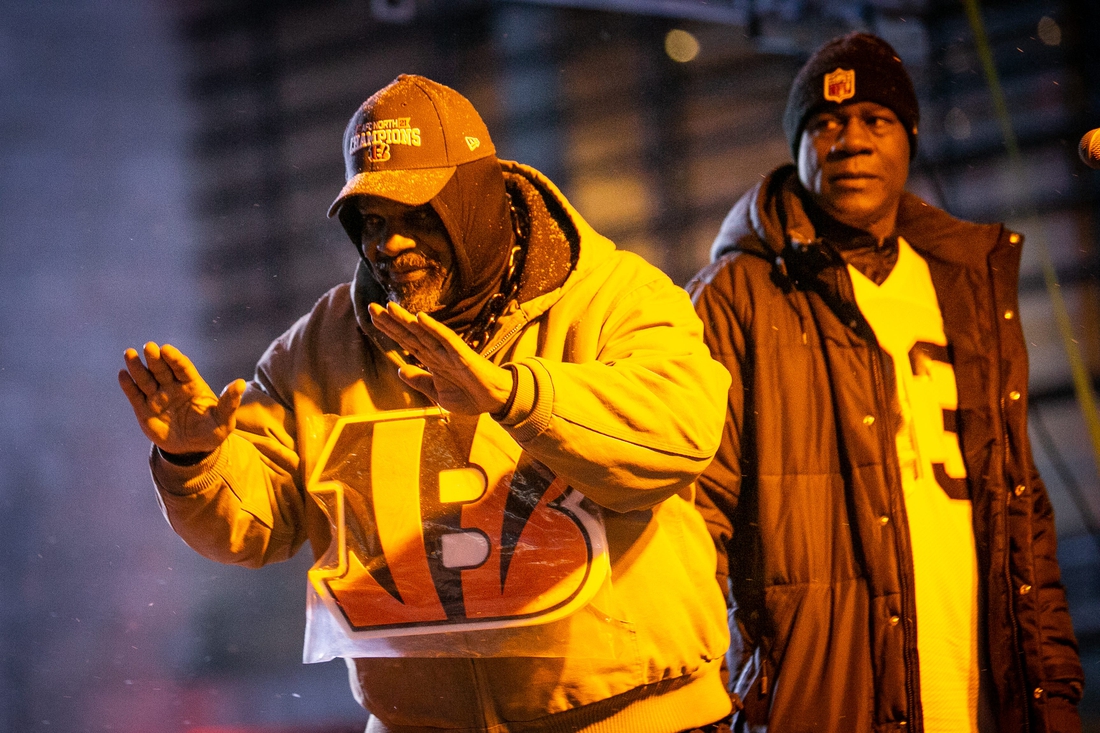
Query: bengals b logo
{"type": "Point", "coordinates": [441, 523]}
{"type": "Point", "coordinates": [378, 152]}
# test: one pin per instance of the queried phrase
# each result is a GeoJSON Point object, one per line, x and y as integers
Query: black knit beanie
{"type": "Point", "coordinates": [854, 68]}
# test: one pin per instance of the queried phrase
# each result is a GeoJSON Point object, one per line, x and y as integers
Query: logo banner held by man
{"type": "Point", "coordinates": [441, 524]}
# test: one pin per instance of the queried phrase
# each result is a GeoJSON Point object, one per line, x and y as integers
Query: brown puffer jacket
{"type": "Point", "coordinates": [808, 467]}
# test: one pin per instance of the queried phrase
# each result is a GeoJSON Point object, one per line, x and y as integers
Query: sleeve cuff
{"type": "Point", "coordinates": [183, 459]}
{"type": "Point", "coordinates": [524, 396]}
{"type": "Point", "coordinates": [183, 480]}
{"type": "Point", "coordinates": [534, 403]}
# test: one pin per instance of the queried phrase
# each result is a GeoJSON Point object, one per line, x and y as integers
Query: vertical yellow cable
{"type": "Point", "coordinates": [1081, 382]}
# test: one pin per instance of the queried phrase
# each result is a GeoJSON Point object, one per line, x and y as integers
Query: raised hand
{"type": "Point", "coordinates": [174, 406]}
{"type": "Point", "coordinates": [454, 375]}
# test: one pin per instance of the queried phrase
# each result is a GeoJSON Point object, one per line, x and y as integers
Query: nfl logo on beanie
{"type": "Point", "coordinates": [840, 85]}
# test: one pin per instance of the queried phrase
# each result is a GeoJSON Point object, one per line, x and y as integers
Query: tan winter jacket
{"type": "Point", "coordinates": [628, 409]}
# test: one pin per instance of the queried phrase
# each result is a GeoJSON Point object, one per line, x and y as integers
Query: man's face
{"type": "Point", "coordinates": [854, 161]}
{"type": "Point", "coordinates": [409, 252]}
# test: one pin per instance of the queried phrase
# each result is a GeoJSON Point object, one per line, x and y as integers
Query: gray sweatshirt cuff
{"type": "Point", "coordinates": [184, 480]}
{"type": "Point", "coordinates": [534, 401]}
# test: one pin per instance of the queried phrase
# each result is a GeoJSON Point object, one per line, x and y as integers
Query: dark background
{"type": "Point", "coordinates": [165, 168]}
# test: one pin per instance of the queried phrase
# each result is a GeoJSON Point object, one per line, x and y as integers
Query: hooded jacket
{"type": "Point", "coordinates": [804, 498]}
{"type": "Point", "coordinates": [611, 356]}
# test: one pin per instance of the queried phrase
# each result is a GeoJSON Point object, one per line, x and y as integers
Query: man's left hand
{"type": "Point", "coordinates": [454, 375]}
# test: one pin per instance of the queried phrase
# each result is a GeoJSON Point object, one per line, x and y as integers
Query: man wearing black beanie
{"type": "Point", "coordinates": [886, 540]}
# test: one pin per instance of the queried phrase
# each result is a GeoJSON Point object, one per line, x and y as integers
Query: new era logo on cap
{"type": "Point", "coordinates": [405, 142]}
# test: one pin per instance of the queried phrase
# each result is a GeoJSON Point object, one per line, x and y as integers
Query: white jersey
{"type": "Point", "coordinates": [904, 313]}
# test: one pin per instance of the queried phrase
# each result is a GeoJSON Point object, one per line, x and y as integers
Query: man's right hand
{"type": "Point", "coordinates": [174, 406]}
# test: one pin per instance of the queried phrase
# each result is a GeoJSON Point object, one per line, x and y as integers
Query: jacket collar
{"type": "Point", "coordinates": [770, 220]}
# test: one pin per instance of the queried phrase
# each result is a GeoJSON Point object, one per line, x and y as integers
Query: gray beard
{"type": "Point", "coordinates": [422, 296]}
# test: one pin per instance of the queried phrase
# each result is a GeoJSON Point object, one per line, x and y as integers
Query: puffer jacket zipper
{"type": "Point", "coordinates": [888, 445]}
{"type": "Point", "coordinates": [916, 723]}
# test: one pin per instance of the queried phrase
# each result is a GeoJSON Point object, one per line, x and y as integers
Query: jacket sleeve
{"type": "Point", "coordinates": [720, 484]}
{"type": "Point", "coordinates": [640, 421]}
{"type": "Point", "coordinates": [1064, 679]}
{"type": "Point", "coordinates": [241, 504]}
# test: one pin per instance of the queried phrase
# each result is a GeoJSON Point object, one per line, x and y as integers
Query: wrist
{"type": "Point", "coordinates": [502, 412]}
{"type": "Point", "coordinates": [523, 398]}
{"type": "Point", "coordinates": [183, 459]}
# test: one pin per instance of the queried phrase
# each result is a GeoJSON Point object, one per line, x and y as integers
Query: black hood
{"type": "Point", "coordinates": [474, 207]}
{"type": "Point", "coordinates": [765, 218]}
{"type": "Point", "coordinates": [475, 211]}
{"type": "Point", "coordinates": [550, 242]}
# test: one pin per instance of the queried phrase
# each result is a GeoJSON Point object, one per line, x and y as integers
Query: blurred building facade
{"type": "Point", "coordinates": [653, 116]}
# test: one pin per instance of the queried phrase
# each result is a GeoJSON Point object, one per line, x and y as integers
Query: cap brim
{"type": "Point", "coordinates": [411, 186]}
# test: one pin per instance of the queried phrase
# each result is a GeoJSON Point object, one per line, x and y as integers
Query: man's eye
{"type": "Point", "coordinates": [373, 224]}
{"type": "Point", "coordinates": [420, 218]}
{"type": "Point", "coordinates": [823, 124]}
{"type": "Point", "coordinates": [423, 220]}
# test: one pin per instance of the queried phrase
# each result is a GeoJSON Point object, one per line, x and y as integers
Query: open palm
{"type": "Point", "coordinates": [454, 375]}
{"type": "Point", "coordinates": [173, 404]}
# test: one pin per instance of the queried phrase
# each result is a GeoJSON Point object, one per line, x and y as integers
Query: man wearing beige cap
{"type": "Point", "coordinates": [490, 438]}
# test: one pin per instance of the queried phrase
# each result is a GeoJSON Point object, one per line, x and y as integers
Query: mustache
{"type": "Point", "coordinates": [405, 261]}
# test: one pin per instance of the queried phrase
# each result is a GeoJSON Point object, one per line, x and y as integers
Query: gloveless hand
{"type": "Point", "coordinates": [454, 375]}
{"type": "Point", "coordinates": [174, 406]}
